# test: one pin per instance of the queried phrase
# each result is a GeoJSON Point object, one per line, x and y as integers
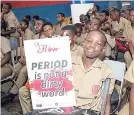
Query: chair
{"type": "Point", "coordinates": [119, 69]}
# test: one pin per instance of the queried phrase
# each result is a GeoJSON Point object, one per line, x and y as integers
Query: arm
{"type": "Point", "coordinates": [6, 58]}
{"type": "Point", "coordinates": [12, 30]}
{"type": "Point", "coordinates": [132, 100]}
{"type": "Point", "coordinates": [108, 106]}
{"type": "Point", "coordinates": [131, 48]}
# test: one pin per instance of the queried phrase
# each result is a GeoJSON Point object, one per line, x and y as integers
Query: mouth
{"type": "Point", "coordinates": [90, 50]}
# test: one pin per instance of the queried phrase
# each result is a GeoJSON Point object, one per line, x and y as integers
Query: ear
{"type": "Point", "coordinates": [104, 50]}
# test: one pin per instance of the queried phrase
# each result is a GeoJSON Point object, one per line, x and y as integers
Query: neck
{"type": "Point", "coordinates": [118, 19]}
{"type": "Point", "coordinates": [87, 62]}
{"type": "Point", "coordinates": [132, 24]}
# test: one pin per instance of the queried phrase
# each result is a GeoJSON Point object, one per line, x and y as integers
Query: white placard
{"type": "Point", "coordinates": [50, 72]}
{"type": "Point", "coordinates": [78, 9]}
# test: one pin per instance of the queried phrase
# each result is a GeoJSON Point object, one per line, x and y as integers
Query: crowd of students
{"type": "Point", "coordinates": [92, 40]}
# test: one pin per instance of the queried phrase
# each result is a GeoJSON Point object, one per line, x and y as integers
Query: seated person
{"type": "Point", "coordinates": [128, 108]}
{"type": "Point", "coordinates": [5, 57]}
{"type": "Point", "coordinates": [88, 67]}
{"type": "Point", "coordinates": [61, 23]}
{"type": "Point", "coordinates": [83, 19]}
{"type": "Point", "coordinates": [48, 30]}
{"type": "Point", "coordinates": [79, 38]}
{"type": "Point", "coordinates": [104, 16]}
{"type": "Point", "coordinates": [28, 18]}
{"type": "Point", "coordinates": [87, 92]}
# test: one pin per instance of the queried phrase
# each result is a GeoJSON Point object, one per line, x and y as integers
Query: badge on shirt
{"type": "Point", "coordinates": [95, 89]}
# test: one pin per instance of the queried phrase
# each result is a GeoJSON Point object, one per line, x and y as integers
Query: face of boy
{"type": "Point", "coordinates": [59, 18]}
{"type": "Point", "coordinates": [94, 25]}
{"type": "Point", "coordinates": [48, 30]}
{"type": "Point", "coordinates": [79, 31]}
{"type": "Point", "coordinates": [38, 26]}
{"type": "Point", "coordinates": [132, 17]}
{"type": "Point", "coordinates": [23, 26]}
{"type": "Point", "coordinates": [93, 45]}
{"type": "Point", "coordinates": [67, 33]}
{"type": "Point", "coordinates": [103, 17]}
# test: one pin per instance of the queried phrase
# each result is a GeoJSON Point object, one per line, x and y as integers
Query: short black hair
{"type": "Point", "coordinates": [116, 10]}
{"type": "Point", "coordinates": [88, 16]}
{"type": "Point", "coordinates": [26, 22]}
{"type": "Point", "coordinates": [36, 17]}
{"type": "Point", "coordinates": [78, 25]}
{"type": "Point", "coordinates": [105, 12]}
{"type": "Point", "coordinates": [98, 8]}
{"type": "Point", "coordinates": [48, 23]}
{"type": "Point", "coordinates": [62, 14]}
{"type": "Point", "coordinates": [71, 28]}
{"type": "Point", "coordinates": [28, 17]}
{"type": "Point", "coordinates": [9, 5]}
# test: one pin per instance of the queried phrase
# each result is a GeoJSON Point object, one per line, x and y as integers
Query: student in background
{"type": "Point", "coordinates": [79, 38]}
{"type": "Point", "coordinates": [48, 30]}
{"type": "Point", "coordinates": [5, 57]}
{"type": "Point", "coordinates": [61, 23]}
{"type": "Point", "coordinates": [118, 23]}
{"type": "Point", "coordinates": [83, 19]}
{"type": "Point", "coordinates": [12, 23]}
{"type": "Point", "coordinates": [28, 18]}
{"type": "Point", "coordinates": [34, 18]}
{"type": "Point", "coordinates": [104, 16]}
{"type": "Point", "coordinates": [70, 31]}
{"type": "Point", "coordinates": [94, 12]}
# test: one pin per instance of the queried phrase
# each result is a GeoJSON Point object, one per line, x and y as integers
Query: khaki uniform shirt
{"type": "Point", "coordinates": [29, 35]}
{"type": "Point", "coordinates": [80, 40]}
{"type": "Point", "coordinates": [59, 27]}
{"type": "Point", "coordinates": [109, 45]}
{"type": "Point", "coordinates": [12, 21]}
{"type": "Point", "coordinates": [4, 48]}
{"type": "Point", "coordinates": [77, 50]}
{"type": "Point", "coordinates": [120, 26]}
{"type": "Point", "coordinates": [129, 33]}
{"type": "Point", "coordinates": [130, 73]}
{"type": "Point", "coordinates": [88, 83]}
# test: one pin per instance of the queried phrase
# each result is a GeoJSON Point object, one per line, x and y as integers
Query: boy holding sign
{"type": "Point", "coordinates": [90, 73]}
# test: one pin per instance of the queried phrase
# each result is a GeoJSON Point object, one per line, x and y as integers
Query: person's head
{"type": "Point", "coordinates": [24, 24]}
{"type": "Point", "coordinates": [126, 13]}
{"type": "Point", "coordinates": [131, 16]}
{"type": "Point", "coordinates": [78, 27]}
{"type": "Point", "coordinates": [96, 8]}
{"type": "Point", "coordinates": [6, 8]}
{"type": "Point", "coordinates": [38, 25]}
{"type": "Point", "coordinates": [115, 14]}
{"type": "Point", "coordinates": [83, 19]}
{"type": "Point", "coordinates": [34, 18]}
{"type": "Point", "coordinates": [48, 29]}
{"type": "Point", "coordinates": [94, 44]}
{"type": "Point", "coordinates": [94, 24]}
{"type": "Point", "coordinates": [60, 17]}
{"type": "Point", "coordinates": [104, 15]}
{"type": "Point", "coordinates": [27, 17]}
{"type": "Point", "coordinates": [69, 30]}
{"type": "Point", "coordinates": [110, 9]}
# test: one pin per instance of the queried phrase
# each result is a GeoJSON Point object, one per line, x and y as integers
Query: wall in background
{"type": "Point", "coordinates": [49, 9]}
